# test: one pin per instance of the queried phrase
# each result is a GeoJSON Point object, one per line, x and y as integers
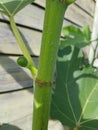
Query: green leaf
{"type": "Point", "coordinates": [75, 95]}
{"type": "Point", "coordinates": [22, 61]}
{"type": "Point", "coordinates": [87, 33]}
{"type": "Point", "coordinates": [75, 36]}
{"type": "Point", "coordinates": [71, 30]}
{"type": "Point", "coordinates": [11, 7]}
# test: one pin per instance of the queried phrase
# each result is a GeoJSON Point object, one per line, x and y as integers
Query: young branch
{"type": "Point", "coordinates": [23, 47]}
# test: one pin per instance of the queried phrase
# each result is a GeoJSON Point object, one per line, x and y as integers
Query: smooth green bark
{"type": "Point", "coordinates": [55, 10]}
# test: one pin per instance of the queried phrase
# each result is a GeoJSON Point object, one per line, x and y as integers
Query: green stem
{"type": "Point", "coordinates": [93, 46]}
{"type": "Point", "coordinates": [55, 10]}
{"type": "Point", "coordinates": [23, 47]}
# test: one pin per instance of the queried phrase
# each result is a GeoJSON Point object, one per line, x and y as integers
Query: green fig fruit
{"type": "Point", "coordinates": [22, 61]}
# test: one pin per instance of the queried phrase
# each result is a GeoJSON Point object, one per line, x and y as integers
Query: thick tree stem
{"type": "Point", "coordinates": [55, 10]}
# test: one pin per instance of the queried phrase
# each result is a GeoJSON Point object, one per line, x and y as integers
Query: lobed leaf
{"type": "Point", "coordinates": [75, 36]}
{"type": "Point", "coordinates": [75, 96]}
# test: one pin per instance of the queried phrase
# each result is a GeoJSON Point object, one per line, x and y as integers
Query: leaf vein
{"type": "Point", "coordinates": [91, 128]}
{"type": "Point", "coordinates": [87, 101]}
{"type": "Point", "coordinates": [5, 8]}
{"type": "Point", "coordinates": [63, 114]}
{"type": "Point", "coordinates": [70, 102]}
